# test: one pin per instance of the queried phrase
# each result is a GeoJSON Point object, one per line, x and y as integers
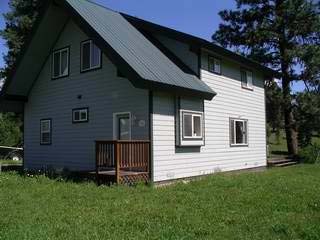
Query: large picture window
{"type": "Point", "coordinates": [45, 132]}
{"type": "Point", "coordinates": [238, 132]}
{"type": "Point", "coordinates": [90, 56]}
{"type": "Point", "coordinates": [60, 63]}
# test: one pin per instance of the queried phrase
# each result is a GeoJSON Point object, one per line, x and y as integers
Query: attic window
{"type": "Point", "coordinates": [246, 79]}
{"type": "Point", "coordinates": [60, 63]}
{"type": "Point", "coordinates": [90, 56]}
{"type": "Point", "coordinates": [214, 65]}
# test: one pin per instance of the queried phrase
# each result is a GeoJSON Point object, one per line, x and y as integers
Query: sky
{"type": "Point", "coordinates": [201, 20]}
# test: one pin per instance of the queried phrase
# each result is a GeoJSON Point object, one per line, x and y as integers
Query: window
{"type": "Point", "coordinates": [90, 56]}
{"type": "Point", "coordinates": [60, 63]}
{"type": "Point", "coordinates": [80, 115]}
{"type": "Point", "coordinates": [214, 65]}
{"type": "Point", "coordinates": [45, 132]}
{"type": "Point", "coordinates": [247, 79]}
{"type": "Point", "coordinates": [238, 132]}
{"type": "Point", "coordinates": [192, 125]}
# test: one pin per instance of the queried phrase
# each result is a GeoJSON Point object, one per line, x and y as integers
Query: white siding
{"type": "Point", "coordinates": [102, 92]}
{"type": "Point", "coordinates": [232, 101]}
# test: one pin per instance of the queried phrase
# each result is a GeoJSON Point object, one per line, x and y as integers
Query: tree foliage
{"type": "Point", "coordinates": [19, 21]}
{"type": "Point", "coordinates": [283, 35]}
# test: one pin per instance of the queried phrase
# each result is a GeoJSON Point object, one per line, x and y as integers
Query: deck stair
{"type": "Point", "coordinates": [283, 161]}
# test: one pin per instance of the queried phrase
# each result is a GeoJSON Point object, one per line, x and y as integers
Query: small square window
{"type": "Point", "coordinates": [45, 132]}
{"type": "Point", "coordinates": [247, 79]}
{"type": "Point", "coordinates": [238, 132]}
{"type": "Point", "coordinates": [214, 65]}
{"type": "Point", "coordinates": [60, 63]}
{"type": "Point", "coordinates": [80, 115]}
{"type": "Point", "coordinates": [90, 56]}
{"type": "Point", "coordinates": [192, 125]}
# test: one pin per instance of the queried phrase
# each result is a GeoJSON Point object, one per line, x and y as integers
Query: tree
{"type": "Point", "coordinates": [280, 34]}
{"type": "Point", "coordinates": [19, 21]}
{"type": "Point", "coordinates": [307, 112]}
{"type": "Point", "coordinates": [273, 106]}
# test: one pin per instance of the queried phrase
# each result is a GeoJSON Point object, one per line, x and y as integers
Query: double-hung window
{"type": "Point", "coordinates": [238, 132]}
{"type": "Point", "coordinates": [247, 79]}
{"type": "Point", "coordinates": [60, 63]}
{"type": "Point", "coordinates": [90, 56]}
{"type": "Point", "coordinates": [214, 65]}
{"type": "Point", "coordinates": [45, 132]}
{"type": "Point", "coordinates": [192, 125]}
{"type": "Point", "coordinates": [80, 115]}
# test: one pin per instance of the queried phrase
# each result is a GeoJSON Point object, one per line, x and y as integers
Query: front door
{"type": "Point", "coordinates": [122, 126]}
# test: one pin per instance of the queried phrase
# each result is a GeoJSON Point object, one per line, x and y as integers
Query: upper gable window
{"type": "Point", "coordinates": [60, 63]}
{"type": "Point", "coordinates": [214, 65]}
{"type": "Point", "coordinates": [246, 79]}
{"type": "Point", "coordinates": [90, 56]}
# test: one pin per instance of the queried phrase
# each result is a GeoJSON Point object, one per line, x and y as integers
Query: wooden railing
{"type": "Point", "coordinates": [122, 156]}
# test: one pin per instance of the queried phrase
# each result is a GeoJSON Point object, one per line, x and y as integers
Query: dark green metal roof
{"type": "Point", "coordinates": [145, 59]}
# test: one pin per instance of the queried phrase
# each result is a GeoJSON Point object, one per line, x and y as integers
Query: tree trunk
{"type": "Point", "coordinates": [290, 123]}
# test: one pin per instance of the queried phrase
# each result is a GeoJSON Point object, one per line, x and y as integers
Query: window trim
{"type": "Point", "coordinates": [81, 60]}
{"type": "Point", "coordinates": [213, 70]}
{"type": "Point", "coordinates": [234, 132]}
{"type": "Point", "coordinates": [242, 83]}
{"type": "Point", "coordinates": [52, 63]}
{"type": "Point", "coordinates": [50, 131]}
{"type": "Point", "coordinates": [193, 114]}
{"type": "Point", "coordinates": [80, 109]}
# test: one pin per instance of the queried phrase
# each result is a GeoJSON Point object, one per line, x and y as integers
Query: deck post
{"type": "Point", "coordinates": [97, 163]}
{"type": "Point", "coordinates": [117, 161]}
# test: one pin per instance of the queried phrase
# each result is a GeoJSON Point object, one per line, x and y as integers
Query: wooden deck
{"type": "Point", "coordinates": [122, 162]}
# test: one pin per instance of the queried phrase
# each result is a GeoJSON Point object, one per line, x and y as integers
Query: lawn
{"type": "Point", "coordinates": [10, 162]}
{"type": "Point", "coordinates": [275, 204]}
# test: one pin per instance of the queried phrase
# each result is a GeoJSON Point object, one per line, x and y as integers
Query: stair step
{"type": "Point", "coordinates": [285, 164]}
{"type": "Point", "coordinates": [279, 161]}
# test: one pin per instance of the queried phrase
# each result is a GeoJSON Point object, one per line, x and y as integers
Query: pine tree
{"type": "Point", "coordinates": [281, 34]}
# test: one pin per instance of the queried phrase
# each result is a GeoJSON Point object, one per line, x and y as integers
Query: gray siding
{"type": "Point", "coordinates": [181, 50]}
{"type": "Point", "coordinates": [232, 101]}
{"type": "Point", "coordinates": [102, 91]}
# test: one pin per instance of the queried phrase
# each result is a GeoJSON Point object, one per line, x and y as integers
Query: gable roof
{"type": "Point", "coordinates": [136, 57]}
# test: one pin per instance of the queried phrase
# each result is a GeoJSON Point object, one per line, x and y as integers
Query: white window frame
{"type": "Point", "coordinates": [214, 60]}
{"type": "Point", "coordinates": [233, 141]}
{"type": "Point", "coordinates": [47, 131]}
{"type": "Point", "coordinates": [90, 60]}
{"type": "Point", "coordinates": [247, 83]}
{"type": "Point", "coordinates": [59, 51]}
{"type": "Point", "coordinates": [115, 124]}
{"type": "Point", "coordinates": [80, 111]}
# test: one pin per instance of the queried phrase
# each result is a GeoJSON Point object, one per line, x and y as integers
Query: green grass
{"type": "Point", "coordinates": [276, 204]}
{"type": "Point", "coordinates": [10, 162]}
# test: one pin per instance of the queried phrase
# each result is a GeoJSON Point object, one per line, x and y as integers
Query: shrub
{"type": "Point", "coordinates": [310, 154]}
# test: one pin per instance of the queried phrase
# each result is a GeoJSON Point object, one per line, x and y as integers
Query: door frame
{"type": "Point", "coordinates": [116, 124]}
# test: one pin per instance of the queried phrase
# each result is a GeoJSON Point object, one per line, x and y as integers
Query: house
{"type": "Point", "coordinates": [107, 92]}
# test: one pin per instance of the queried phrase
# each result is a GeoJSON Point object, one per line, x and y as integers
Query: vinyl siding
{"type": "Point", "coordinates": [232, 101]}
{"type": "Point", "coordinates": [102, 92]}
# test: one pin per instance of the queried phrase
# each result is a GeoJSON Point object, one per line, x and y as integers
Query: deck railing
{"type": "Point", "coordinates": [122, 156]}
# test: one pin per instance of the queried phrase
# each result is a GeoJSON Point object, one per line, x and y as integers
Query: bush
{"type": "Point", "coordinates": [310, 154]}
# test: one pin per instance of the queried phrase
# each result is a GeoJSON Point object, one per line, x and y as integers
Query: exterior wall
{"type": "Point", "coordinates": [181, 50]}
{"type": "Point", "coordinates": [102, 92]}
{"type": "Point", "coordinates": [232, 101]}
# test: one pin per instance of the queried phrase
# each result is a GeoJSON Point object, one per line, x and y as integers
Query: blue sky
{"type": "Point", "coordinates": [184, 15]}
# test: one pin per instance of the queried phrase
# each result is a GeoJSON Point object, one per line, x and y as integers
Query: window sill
{"type": "Point", "coordinates": [219, 74]}
{"type": "Point", "coordinates": [90, 69]}
{"type": "Point", "coordinates": [247, 88]}
{"type": "Point", "coordinates": [239, 145]}
{"type": "Point", "coordinates": [56, 78]}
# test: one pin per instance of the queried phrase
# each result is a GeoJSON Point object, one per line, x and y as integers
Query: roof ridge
{"type": "Point", "coordinates": [100, 5]}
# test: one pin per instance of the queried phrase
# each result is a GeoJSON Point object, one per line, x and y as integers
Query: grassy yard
{"type": "Point", "coordinates": [10, 162]}
{"type": "Point", "coordinates": [276, 204]}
